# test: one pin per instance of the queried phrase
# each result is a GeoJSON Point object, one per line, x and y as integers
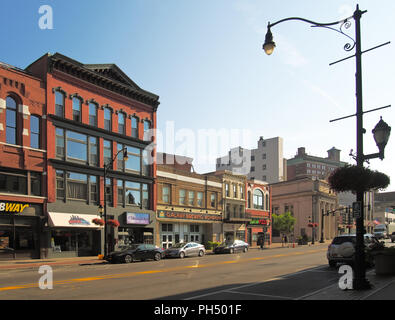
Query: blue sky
{"type": "Point", "coordinates": [205, 60]}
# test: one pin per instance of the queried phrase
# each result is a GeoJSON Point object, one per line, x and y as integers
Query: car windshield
{"type": "Point", "coordinates": [340, 240]}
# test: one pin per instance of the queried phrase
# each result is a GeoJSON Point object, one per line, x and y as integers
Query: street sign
{"type": "Point", "coordinates": [356, 209]}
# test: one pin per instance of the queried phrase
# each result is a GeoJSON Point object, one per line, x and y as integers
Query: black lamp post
{"type": "Point", "coordinates": [381, 132]}
{"type": "Point", "coordinates": [103, 210]}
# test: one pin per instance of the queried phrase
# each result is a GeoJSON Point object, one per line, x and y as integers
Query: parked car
{"type": "Point", "coordinates": [392, 236]}
{"type": "Point", "coordinates": [232, 246]}
{"type": "Point", "coordinates": [136, 252]}
{"type": "Point", "coordinates": [181, 250]}
{"type": "Point", "coordinates": [342, 249]}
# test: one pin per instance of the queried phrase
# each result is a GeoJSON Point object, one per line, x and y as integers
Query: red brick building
{"type": "Point", "coordinates": [22, 162]}
{"type": "Point", "coordinates": [258, 207]}
{"type": "Point", "coordinates": [94, 111]}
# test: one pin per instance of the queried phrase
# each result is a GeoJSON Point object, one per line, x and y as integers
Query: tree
{"type": "Point", "coordinates": [283, 223]}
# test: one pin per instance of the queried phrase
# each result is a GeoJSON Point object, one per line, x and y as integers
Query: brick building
{"type": "Point", "coordinates": [258, 208]}
{"type": "Point", "coordinates": [189, 206]}
{"type": "Point", "coordinates": [93, 112]}
{"type": "Point", "coordinates": [22, 162]}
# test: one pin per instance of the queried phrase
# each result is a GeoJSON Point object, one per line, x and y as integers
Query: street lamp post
{"type": "Point", "coordinates": [103, 210]}
{"type": "Point", "coordinates": [359, 280]}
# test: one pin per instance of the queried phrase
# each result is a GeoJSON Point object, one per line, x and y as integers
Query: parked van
{"type": "Point", "coordinates": [380, 231]}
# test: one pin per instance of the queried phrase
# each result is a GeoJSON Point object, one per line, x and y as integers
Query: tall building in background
{"type": "Point", "coordinates": [265, 163]}
{"type": "Point", "coordinates": [304, 165]}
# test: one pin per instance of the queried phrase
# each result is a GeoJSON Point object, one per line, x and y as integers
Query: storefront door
{"type": "Point", "coordinates": [167, 240]}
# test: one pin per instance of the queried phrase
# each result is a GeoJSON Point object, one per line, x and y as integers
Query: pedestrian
{"type": "Point", "coordinates": [286, 240]}
{"type": "Point", "coordinates": [282, 240]}
{"type": "Point", "coordinates": [261, 242]}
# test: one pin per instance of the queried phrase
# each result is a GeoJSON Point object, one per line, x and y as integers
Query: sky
{"type": "Point", "coordinates": [217, 87]}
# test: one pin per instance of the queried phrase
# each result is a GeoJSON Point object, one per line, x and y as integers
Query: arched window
{"type": "Point", "coordinates": [107, 119]}
{"type": "Point", "coordinates": [77, 109]}
{"type": "Point", "coordinates": [59, 104]}
{"type": "Point", "coordinates": [121, 123]}
{"type": "Point", "coordinates": [135, 128]}
{"type": "Point", "coordinates": [147, 126]}
{"type": "Point", "coordinates": [11, 121]}
{"type": "Point", "coordinates": [35, 131]}
{"type": "Point", "coordinates": [258, 199]}
{"type": "Point", "coordinates": [92, 114]}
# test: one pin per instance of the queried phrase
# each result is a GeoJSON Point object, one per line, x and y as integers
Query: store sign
{"type": "Point", "coordinates": [12, 207]}
{"type": "Point", "coordinates": [58, 219]}
{"type": "Point", "coordinates": [259, 222]}
{"type": "Point", "coordinates": [137, 218]}
{"type": "Point", "coordinates": [190, 216]}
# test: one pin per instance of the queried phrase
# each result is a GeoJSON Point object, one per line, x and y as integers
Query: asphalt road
{"type": "Point", "coordinates": [280, 274]}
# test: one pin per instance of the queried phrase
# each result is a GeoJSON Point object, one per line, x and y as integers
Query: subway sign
{"type": "Point", "coordinates": [12, 207]}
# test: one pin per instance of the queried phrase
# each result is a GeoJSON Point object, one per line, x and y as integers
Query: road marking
{"type": "Point", "coordinates": [260, 295]}
{"type": "Point", "coordinates": [136, 273]}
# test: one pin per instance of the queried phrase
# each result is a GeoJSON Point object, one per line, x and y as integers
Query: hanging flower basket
{"type": "Point", "coordinates": [113, 223]}
{"type": "Point", "coordinates": [355, 178]}
{"type": "Point", "coordinates": [99, 222]}
{"type": "Point", "coordinates": [311, 225]}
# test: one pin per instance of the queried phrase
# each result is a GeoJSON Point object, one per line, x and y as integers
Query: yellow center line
{"type": "Point", "coordinates": [136, 273]}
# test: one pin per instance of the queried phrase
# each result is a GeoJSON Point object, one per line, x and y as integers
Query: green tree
{"type": "Point", "coordinates": [283, 223]}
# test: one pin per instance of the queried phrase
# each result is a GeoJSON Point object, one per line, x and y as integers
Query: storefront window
{"type": "Point", "coordinates": [22, 239]}
{"type": "Point", "coordinates": [65, 240]}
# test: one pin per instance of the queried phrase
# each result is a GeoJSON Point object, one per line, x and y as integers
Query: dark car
{"type": "Point", "coordinates": [232, 246]}
{"type": "Point", "coordinates": [136, 252]}
{"type": "Point", "coordinates": [392, 236]}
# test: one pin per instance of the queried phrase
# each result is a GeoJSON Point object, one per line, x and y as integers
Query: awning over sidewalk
{"type": "Point", "coordinates": [73, 220]}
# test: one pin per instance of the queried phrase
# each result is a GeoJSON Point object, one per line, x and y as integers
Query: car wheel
{"type": "Point", "coordinates": [245, 249]}
{"type": "Point", "coordinates": [201, 253]}
{"type": "Point", "coordinates": [332, 264]}
{"type": "Point", "coordinates": [182, 255]}
{"type": "Point", "coordinates": [231, 250]}
{"type": "Point", "coordinates": [128, 258]}
{"type": "Point", "coordinates": [157, 256]}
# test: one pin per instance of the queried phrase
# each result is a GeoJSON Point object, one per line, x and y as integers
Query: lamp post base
{"type": "Point", "coordinates": [361, 284]}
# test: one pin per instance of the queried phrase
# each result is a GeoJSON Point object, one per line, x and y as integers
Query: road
{"type": "Point", "coordinates": [221, 277]}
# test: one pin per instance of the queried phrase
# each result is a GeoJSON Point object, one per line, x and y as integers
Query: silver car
{"type": "Point", "coordinates": [181, 250]}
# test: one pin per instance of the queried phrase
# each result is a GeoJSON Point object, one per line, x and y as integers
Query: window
{"type": "Point", "coordinates": [194, 228]}
{"type": "Point", "coordinates": [258, 199]}
{"type": "Point", "coordinates": [107, 119]}
{"type": "Point", "coordinates": [227, 189]}
{"type": "Point", "coordinates": [107, 151]}
{"type": "Point", "coordinates": [93, 152]}
{"type": "Point", "coordinates": [121, 123]}
{"type": "Point", "coordinates": [191, 198]}
{"type": "Point", "coordinates": [76, 144]}
{"type": "Point", "coordinates": [200, 199]}
{"type": "Point", "coordinates": [59, 143]}
{"type": "Point", "coordinates": [13, 182]}
{"type": "Point", "coordinates": [92, 114]}
{"type": "Point", "coordinates": [77, 109]}
{"type": "Point", "coordinates": [241, 192]}
{"type": "Point", "coordinates": [77, 186]}
{"type": "Point", "coordinates": [35, 183]}
{"type": "Point", "coordinates": [166, 194]}
{"type": "Point", "coordinates": [146, 163]}
{"type": "Point", "coordinates": [167, 227]}
{"type": "Point", "coordinates": [132, 193]}
{"type": "Point", "coordinates": [264, 178]}
{"type": "Point", "coordinates": [135, 128]}
{"type": "Point", "coordinates": [134, 157]}
{"type": "Point", "coordinates": [234, 191]}
{"type": "Point", "coordinates": [59, 104]}
{"type": "Point", "coordinates": [252, 169]}
{"type": "Point", "coordinates": [60, 184]}
{"type": "Point", "coordinates": [264, 156]}
{"type": "Point", "coordinates": [252, 158]}
{"type": "Point", "coordinates": [108, 190]}
{"type": "Point", "coordinates": [121, 193]}
{"type": "Point", "coordinates": [120, 158]}
{"type": "Point", "coordinates": [182, 197]}
{"type": "Point", "coordinates": [94, 190]}
{"type": "Point", "coordinates": [147, 127]}
{"type": "Point", "coordinates": [213, 200]}
{"type": "Point", "coordinates": [35, 132]}
{"type": "Point", "coordinates": [11, 122]}
{"type": "Point", "coordinates": [264, 167]}
{"type": "Point", "coordinates": [145, 200]}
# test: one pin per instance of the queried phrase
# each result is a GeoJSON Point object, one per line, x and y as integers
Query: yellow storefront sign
{"type": "Point", "coordinates": [12, 207]}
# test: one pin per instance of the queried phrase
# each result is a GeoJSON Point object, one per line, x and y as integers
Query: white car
{"type": "Point", "coordinates": [342, 249]}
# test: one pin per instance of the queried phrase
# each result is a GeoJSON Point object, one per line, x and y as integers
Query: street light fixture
{"type": "Point", "coordinates": [103, 210]}
{"type": "Point", "coordinates": [381, 132]}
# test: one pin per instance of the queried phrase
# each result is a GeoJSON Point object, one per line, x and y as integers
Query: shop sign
{"type": "Point", "coordinates": [12, 207]}
{"type": "Point", "coordinates": [58, 219]}
{"type": "Point", "coordinates": [190, 216]}
{"type": "Point", "coordinates": [137, 218]}
{"type": "Point", "coordinates": [259, 222]}
{"type": "Point", "coordinates": [77, 220]}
